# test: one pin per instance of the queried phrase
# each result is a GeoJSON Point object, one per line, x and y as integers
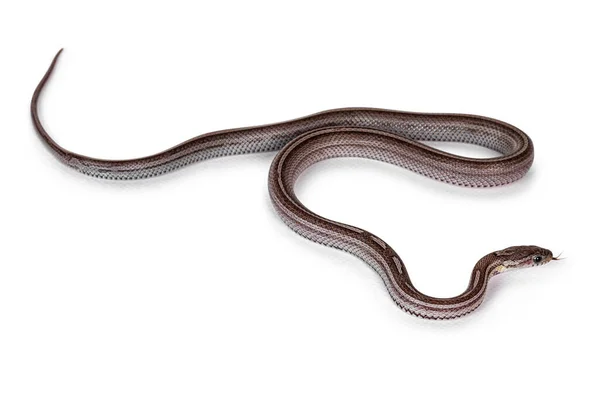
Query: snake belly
{"type": "Point", "coordinates": [393, 137]}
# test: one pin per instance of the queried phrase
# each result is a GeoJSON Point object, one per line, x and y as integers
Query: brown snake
{"type": "Point", "coordinates": [390, 136]}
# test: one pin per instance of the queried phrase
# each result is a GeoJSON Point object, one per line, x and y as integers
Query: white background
{"type": "Point", "coordinates": [188, 286]}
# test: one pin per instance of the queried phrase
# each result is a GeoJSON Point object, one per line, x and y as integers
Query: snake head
{"type": "Point", "coordinates": [524, 256]}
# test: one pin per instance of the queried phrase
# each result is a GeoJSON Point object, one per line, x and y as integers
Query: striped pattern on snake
{"type": "Point", "coordinates": [393, 137]}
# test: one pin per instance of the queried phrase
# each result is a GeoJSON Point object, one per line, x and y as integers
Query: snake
{"type": "Point", "coordinates": [395, 137]}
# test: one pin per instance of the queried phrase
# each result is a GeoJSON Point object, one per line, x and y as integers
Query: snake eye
{"type": "Point", "coordinates": [537, 259]}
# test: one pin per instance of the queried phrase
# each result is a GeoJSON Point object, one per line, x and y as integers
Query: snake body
{"type": "Point", "coordinates": [390, 136]}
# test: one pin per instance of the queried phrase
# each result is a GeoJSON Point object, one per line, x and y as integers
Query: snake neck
{"type": "Point", "coordinates": [410, 299]}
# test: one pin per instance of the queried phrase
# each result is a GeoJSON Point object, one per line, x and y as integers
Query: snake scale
{"type": "Point", "coordinates": [390, 136]}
